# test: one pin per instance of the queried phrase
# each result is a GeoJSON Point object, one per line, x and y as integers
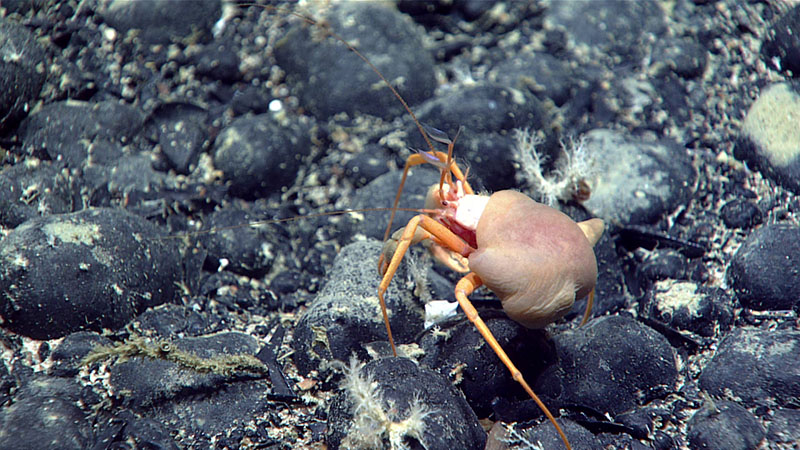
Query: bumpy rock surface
{"type": "Point", "coordinates": [93, 269]}
{"type": "Point", "coordinates": [594, 366]}
{"type": "Point", "coordinates": [637, 182]}
{"type": "Point", "coordinates": [785, 426]}
{"type": "Point", "coordinates": [765, 271]}
{"type": "Point", "coordinates": [398, 384]}
{"type": "Point", "coordinates": [781, 48]}
{"type": "Point", "coordinates": [458, 349]}
{"type": "Point", "coordinates": [78, 133]}
{"type": "Point", "coordinates": [22, 72]}
{"type": "Point", "coordinates": [168, 389]}
{"type": "Point", "coordinates": [346, 313]}
{"type": "Point", "coordinates": [49, 406]}
{"type": "Point", "coordinates": [602, 24]}
{"type": "Point", "coordinates": [175, 117]}
{"type": "Point", "coordinates": [772, 358]}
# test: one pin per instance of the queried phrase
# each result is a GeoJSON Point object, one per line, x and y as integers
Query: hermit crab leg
{"type": "Point", "coordinates": [411, 235]}
{"type": "Point", "coordinates": [464, 288]}
{"type": "Point", "coordinates": [416, 160]}
{"type": "Point", "coordinates": [433, 229]}
{"type": "Point", "coordinates": [588, 313]}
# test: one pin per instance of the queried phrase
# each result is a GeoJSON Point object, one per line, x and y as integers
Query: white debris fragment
{"type": "Point", "coordinates": [439, 310]}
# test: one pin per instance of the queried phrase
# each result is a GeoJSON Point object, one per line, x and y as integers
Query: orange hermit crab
{"type": "Point", "coordinates": [536, 259]}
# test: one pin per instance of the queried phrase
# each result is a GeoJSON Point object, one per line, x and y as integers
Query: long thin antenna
{"type": "Point", "coordinates": [327, 29]}
{"type": "Point", "coordinates": [292, 219]}
{"type": "Point", "coordinates": [375, 69]}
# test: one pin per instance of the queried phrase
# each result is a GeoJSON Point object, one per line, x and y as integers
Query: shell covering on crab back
{"type": "Point", "coordinates": [536, 259]}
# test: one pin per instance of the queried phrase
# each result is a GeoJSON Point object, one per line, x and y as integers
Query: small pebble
{"type": "Point", "coordinates": [248, 250]}
{"type": "Point", "coordinates": [770, 138]}
{"type": "Point", "coordinates": [258, 155]}
{"type": "Point", "coordinates": [773, 355]}
{"type": "Point", "coordinates": [765, 271]}
{"type": "Point", "coordinates": [181, 132]}
{"type": "Point", "coordinates": [546, 435]}
{"type": "Point", "coordinates": [27, 192]}
{"type": "Point", "coordinates": [68, 355]}
{"type": "Point", "coordinates": [781, 46]}
{"type": "Point", "coordinates": [366, 166]}
{"type": "Point", "coordinates": [329, 79]}
{"type": "Point", "coordinates": [663, 264]}
{"type": "Point", "coordinates": [686, 305]}
{"type": "Point", "coordinates": [725, 425]}
{"type": "Point", "coordinates": [741, 214]}
{"type": "Point", "coordinates": [382, 191]}
{"type": "Point", "coordinates": [163, 21]}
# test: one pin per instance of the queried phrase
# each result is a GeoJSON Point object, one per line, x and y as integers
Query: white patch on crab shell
{"type": "Point", "coordinates": [469, 210]}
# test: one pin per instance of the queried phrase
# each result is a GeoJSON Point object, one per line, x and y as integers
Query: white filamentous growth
{"type": "Point", "coordinates": [516, 440]}
{"type": "Point", "coordinates": [373, 419]}
{"type": "Point", "coordinates": [574, 165]}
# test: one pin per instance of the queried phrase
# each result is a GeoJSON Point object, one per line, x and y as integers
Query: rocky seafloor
{"type": "Point", "coordinates": [142, 307]}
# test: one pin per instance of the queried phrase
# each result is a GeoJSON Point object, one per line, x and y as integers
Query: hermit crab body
{"type": "Point", "coordinates": [536, 259]}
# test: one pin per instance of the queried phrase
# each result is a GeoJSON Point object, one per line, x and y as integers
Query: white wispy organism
{"type": "Point", "coordinates": [418, 267]}
{"type": "Point", "coordinates": [573, 167]}
{"type": "Point", "coordinates": [376, 420]}
{"type": "Point", "coordinates": [518, 441]}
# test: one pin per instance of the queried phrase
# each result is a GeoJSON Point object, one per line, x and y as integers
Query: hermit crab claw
{"type": "Point", "coordinates": [449, 258]}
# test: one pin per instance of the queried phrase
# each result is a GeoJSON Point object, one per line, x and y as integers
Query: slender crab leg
{"type": "Point", "coordinates": [411, 235]}
{"type": "Point", "coordinates": [433, 229]}
{"type": "Point", "coordinates": [445, 162]}
{"type": "Point", "coordinates": [464, 288]}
